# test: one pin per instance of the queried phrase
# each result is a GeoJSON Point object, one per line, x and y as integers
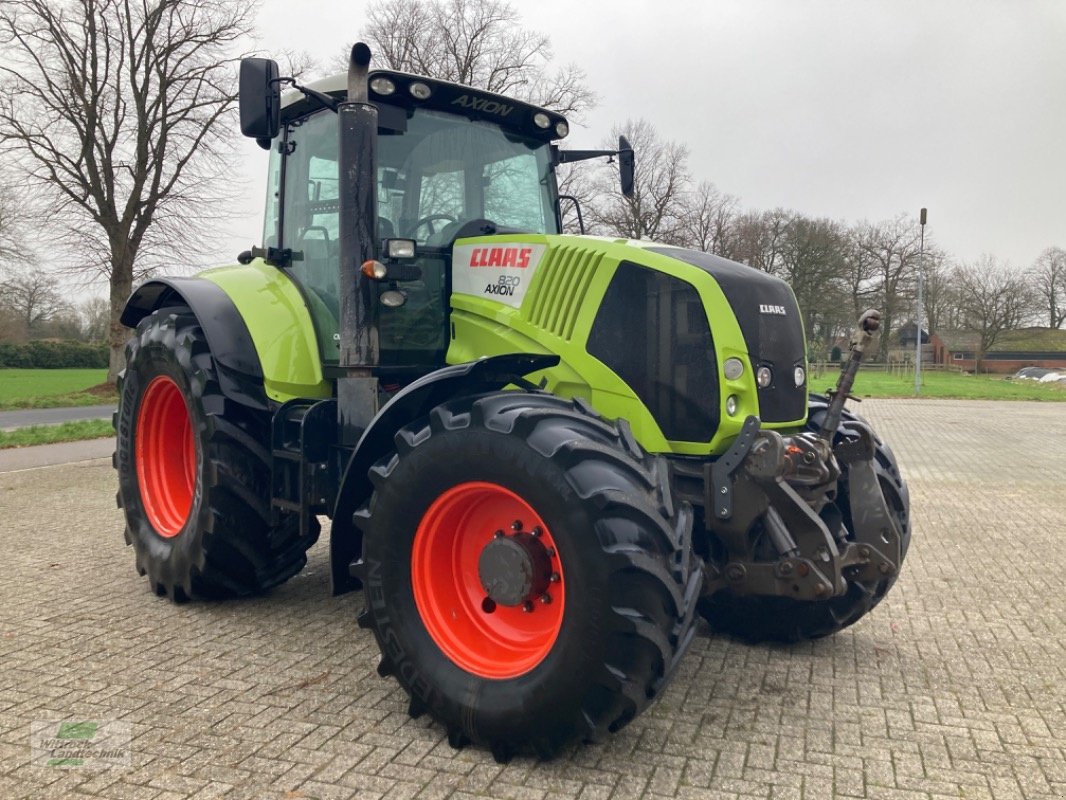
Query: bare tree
{"type": "Point", "coordinates": [14, 220]}
{"type": "Point", "coordinates": [1049, 282]}
{"type": "Point", "coordinates": [939, 294]}
{"type": "Point", "coordinates": [759, 238]}
{"type": "Point", "coordinates": [857, 275]}
{"type": "Point", "coordinates": [992, 299]}
{"type": "Point", "coordinates": [812, 261]}
{"type": "Point", "coordinates": [891, 248]}
{"type": "Point", "coordinates": [113, 108]}
{"type": "Point", "coordinates": [656, 210]}
{"type": "Point", "coordinates": [95, 313]}
{"type": "Point", "coordinates": [479, 43]}
{"type": "Point", "coordinates": [33, 297]}
{"type": "Point", "coordinates": [707, 220]}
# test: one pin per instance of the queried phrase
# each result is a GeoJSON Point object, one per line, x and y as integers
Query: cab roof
{"type": "Point", "coordinates": [445, 96]}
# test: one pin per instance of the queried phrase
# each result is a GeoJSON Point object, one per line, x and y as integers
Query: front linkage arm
{"type": "Point", "coordinates": [766, 494]}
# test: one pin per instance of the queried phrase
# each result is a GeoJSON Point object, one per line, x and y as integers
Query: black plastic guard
{"type": "Point", "coordinates": [240, 373]}
{"type": "Point", "coordinates": [411, 403]}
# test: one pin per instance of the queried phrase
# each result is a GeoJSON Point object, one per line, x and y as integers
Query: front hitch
{"type": "Point", "coordinates": [765, 499]}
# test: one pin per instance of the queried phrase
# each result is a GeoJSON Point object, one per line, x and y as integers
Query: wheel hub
{"type": "Point", "coordinates": [482, 562]}
{"type": "Point", "coordinates": [514, 569]}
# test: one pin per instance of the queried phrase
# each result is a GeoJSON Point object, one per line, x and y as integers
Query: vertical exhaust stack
{"type": "Point", "coordinates": [357, 394]}
{"type": "Point", "coordinates": [358, 215]}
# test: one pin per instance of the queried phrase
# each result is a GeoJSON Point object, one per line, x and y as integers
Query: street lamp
{"type": "Point", "coordinates": [918, 312]}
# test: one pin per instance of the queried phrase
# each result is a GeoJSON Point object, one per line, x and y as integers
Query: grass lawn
{"type": "Point", "coordinates": [946, 385]}
{"type": "Point", "coordinates": [52, 388]}
{"type": "Point", "coordinates": [65, 432]}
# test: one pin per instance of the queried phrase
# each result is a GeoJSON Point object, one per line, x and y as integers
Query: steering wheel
{"type": "Point", "coordinates": [428, 221]}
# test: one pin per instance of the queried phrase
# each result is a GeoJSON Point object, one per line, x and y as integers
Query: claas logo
{"type": "Point", "coordinates": [501, 257]}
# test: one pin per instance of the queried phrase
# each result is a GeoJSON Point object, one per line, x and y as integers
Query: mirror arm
{"type": "Point", "coordinates": [328, 102]}
{"type": "Point", "coordinates": [567, 156]}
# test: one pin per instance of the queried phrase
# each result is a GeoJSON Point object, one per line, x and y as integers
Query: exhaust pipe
{"type": "Point", "coordinates": [358, 217]}
{"type": "Point", "coordinates": [357, 394]}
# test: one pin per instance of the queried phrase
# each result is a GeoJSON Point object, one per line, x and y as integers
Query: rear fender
{"type": "Point", "coordinates": [239, 370]}
{"type": "Point", "coordinates": [412, 403]}
{"type": "Point", "coordinates": [258, 325]}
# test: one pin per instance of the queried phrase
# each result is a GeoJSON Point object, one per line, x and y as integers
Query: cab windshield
{"type": "Point", "coordinates": [442, 172]}
{"type": "Point", "coordinates": [444, 176]}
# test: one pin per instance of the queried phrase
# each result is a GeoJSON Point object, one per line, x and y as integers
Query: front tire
{"type": "Point", "coordinates": [486, 507]}
{"type": "Point", "coordinates": [194, 471]}
{"type": "Point", "coordinates": [783, 619]}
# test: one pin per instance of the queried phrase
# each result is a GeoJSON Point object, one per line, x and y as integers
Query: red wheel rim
{"type": "Point", "coordinates": [482, 637]}
{"type": "Point", "coordinates": [165, 456]}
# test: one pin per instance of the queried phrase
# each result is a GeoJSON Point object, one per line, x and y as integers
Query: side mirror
{"type": "Point", "coordinates": [626, 165]}
{"type": "Point", "coordinates": [260, 98]}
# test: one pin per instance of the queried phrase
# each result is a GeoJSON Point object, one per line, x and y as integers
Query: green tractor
{"type": "Point", "coordinates": [544, 456]}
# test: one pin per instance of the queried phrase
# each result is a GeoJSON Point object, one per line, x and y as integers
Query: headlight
{"type": "Point", "coordinates": [764, 377]}
{"type": "Point", "coordinates": [393, 298]}
{"type": "Point", "coordinates": [383, 86]}
{"type": "Point", "coordinates": [731, 405]}
{"type": "Point", "coordinates": [800, 376]}
{"type": "Point", "coordinates": [733, 368]}
{"type": "Point", "coordinates": [419, 91]}
{"type": "Point", "coordinates": [541, 120]}
{"type": "Point", "coordinates": [561, 129]}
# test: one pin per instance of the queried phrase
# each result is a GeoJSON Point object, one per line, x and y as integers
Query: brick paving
{"type": "Point", "coordinates": [955, 687]}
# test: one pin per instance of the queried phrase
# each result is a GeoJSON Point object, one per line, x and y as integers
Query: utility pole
{"type": "Point", "coordinates": [918, 311]}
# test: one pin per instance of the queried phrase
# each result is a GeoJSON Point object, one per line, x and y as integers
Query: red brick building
{"type": "Point", "coordinates": [1027, 347]}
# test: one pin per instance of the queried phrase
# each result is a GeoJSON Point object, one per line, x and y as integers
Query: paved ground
{"type": "Point", "coordinates": [954, 687]}
{"type": "Point", "coordinates": [9, 420]}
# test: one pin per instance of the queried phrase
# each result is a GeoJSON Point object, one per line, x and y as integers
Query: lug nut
{"type": "Point", "coordinates": [554, 577]}
{"type": "Point", "coordinates": [497, 535]}
{"type": "Point", "coordinates": [516, 525]}
{"type": "Point", "coordinates": [528, 606]}
{"type": "Point", "coordinates": [551, 552]}
{"type": "Point", "coordinates": [536, 532]}
{"type": "Point", "coordinates": [545, 598]}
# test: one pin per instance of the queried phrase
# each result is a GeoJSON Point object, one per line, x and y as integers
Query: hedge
{"type": "Point", "coordinates": [53, 355]}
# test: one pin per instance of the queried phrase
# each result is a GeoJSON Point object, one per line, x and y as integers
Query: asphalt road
{"type": "Point", "coordinates": [9, 420]}
{"type": "Point", "coordinates": [953, 687]}
{"type": "Point", "coordinates": [14, 459]}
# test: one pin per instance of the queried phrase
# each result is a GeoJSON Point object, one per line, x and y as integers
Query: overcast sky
{"type": "Point", "coordinates": [858, 109]}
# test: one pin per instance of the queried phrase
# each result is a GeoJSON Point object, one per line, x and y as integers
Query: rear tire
{"type": "Point", "coordinates": [783, 619]}
{"type": "Point", "coordinates": [194, 471]}
{"type": "Point", "coordinates": [624, 580]}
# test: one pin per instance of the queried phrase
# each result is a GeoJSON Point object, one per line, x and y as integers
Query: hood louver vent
{"type": "Point", "coordinates": [561, 283]}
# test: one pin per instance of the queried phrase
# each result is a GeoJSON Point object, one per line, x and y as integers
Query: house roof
{"type": "Point", "coordinates": [1023, 340]}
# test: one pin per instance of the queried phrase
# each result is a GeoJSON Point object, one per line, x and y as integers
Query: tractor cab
{"type": "Point", "coordinates": [452, 162]}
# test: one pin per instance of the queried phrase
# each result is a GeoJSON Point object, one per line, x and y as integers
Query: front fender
{"type": "Point", "coordinates": [412, 403]}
